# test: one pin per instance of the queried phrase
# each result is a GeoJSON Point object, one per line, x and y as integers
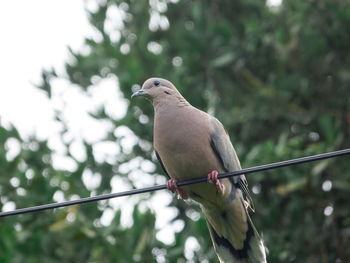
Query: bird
{"type": "Point", "coordinates": [190, 143]}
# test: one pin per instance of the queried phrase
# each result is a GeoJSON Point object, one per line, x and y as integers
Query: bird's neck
{"type": "Point", "coordinates": [169, 103]}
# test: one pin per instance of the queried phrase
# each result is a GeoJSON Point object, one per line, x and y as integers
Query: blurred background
{"type": "Point", "coordinates": [275, 73]}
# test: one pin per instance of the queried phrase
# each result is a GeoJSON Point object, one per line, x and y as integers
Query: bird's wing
{"type": "Point", "coordinates": [233, 234]}
{"type": "Point", "coordinates": [161, 164]}
{"type": "Point", "coordinates": [224, 151]}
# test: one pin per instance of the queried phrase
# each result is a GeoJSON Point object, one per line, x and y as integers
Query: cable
{"type": "Point", "coordinates": [181, 183]}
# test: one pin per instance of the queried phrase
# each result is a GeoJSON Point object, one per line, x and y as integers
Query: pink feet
{"type": "Point", "coordinates": [171, 185]}
{"type": "Point", "coordinates": [213, 179]}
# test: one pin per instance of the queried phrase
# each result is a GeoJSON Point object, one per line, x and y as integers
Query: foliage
{"type": "Point", "coordinates": [277, 77]}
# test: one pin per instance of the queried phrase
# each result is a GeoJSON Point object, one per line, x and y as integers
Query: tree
{"type": "Point", "coordinates": [275, 76]}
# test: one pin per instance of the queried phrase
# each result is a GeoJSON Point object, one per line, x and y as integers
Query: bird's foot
{"type": "Point", "coordinates": [172, 186]}
{"type": "Point", "coordinates": [213, 179]}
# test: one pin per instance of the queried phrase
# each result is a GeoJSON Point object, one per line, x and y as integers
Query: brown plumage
{"type": "Point", "coordinates": [190, 143]}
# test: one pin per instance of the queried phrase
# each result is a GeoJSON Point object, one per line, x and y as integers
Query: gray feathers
{"type": "Point", "coordinates": [224, 151]}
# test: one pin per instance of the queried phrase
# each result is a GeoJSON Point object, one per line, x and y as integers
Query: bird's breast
{"type": "Point", "coordinates": [183, 143]}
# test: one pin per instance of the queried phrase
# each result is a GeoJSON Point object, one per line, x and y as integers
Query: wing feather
{"type": "Point", "coordinates": [223, 149]}
{"type": "Point", "coordinates": [161, 164]}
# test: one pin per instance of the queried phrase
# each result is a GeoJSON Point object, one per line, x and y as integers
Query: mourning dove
{"type": "Point", "coordinates": [190, 143]}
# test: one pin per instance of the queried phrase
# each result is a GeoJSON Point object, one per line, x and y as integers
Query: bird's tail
{"type": "Point", "coordinates": [234, 236]}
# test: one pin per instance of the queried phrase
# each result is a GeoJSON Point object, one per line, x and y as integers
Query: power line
{"type": "Point", "coordinates": [181, 183]}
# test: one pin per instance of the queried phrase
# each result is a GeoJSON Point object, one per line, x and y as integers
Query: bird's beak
{"type": "Point", "coordinates": [138, 93]}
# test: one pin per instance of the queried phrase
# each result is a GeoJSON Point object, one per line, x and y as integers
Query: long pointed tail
{"type": "Point", "coordinates": [234, 236]}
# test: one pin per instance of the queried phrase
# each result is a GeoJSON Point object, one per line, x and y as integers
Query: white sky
{"type": "Point", "coordinates": [34, 36]}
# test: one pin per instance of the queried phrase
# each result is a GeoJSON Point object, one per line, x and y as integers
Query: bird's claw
{"type": "Point", "coordinates": [172, 186]}
{"type": "Point", "coordinates": [213, 179]}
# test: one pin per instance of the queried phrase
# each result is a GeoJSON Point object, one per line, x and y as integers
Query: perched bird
{"type": "Point", "coordinates": [190, 143]}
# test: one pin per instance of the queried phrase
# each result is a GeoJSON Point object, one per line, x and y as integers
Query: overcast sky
{"type": "Point", "coordinates": [34, 35]}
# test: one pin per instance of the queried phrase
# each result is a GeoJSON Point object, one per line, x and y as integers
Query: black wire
{"type": "Point", "coordinates": [181, 183]}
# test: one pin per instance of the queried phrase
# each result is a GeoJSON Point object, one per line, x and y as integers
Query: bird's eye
{"type": "Point", "coordinates": [156, 83]}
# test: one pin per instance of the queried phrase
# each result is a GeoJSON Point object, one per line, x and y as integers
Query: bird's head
{"type": "Point", "coordinates": [158, 90]}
